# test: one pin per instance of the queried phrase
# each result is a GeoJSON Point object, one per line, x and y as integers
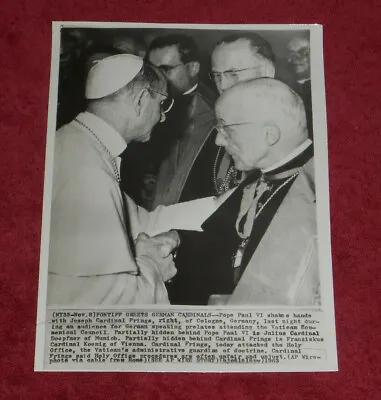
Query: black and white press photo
{"type": "Point", "coordinates": [186, 195]}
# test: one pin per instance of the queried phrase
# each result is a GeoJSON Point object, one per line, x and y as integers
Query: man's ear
{"type": "Point", "coordinates": [272, 134]}
{"type": "Point", "coordinates": [140, 101]}
{"type": "Point", "coordinates": [194, 68]}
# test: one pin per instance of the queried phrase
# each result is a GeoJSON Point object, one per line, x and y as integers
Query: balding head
{"type": "Point", "coordinates": [264, 121]}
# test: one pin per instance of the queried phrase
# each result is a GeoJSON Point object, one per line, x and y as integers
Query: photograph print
{"type": "Point", "coordinates": [181, 167]}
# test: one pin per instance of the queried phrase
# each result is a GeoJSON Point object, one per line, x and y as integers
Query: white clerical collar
{"type": "Point", "coordinates": [191, 90]}
{"type": "Point", "coordinates": [109, 137]}
{"type": "Point", "coordinates": [291, 156]}
{"type": "Point", "coordinates": [301, 81]}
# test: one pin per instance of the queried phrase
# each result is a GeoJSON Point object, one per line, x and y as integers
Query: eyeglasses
{"type": "Point", "coordinates": [166, 104]}
{"type": "Point", "coordinates": [168, 68]}
{"type": "Point", "coordinates": [300, 54]}
{"type": "Point", "coordinates": [231, 74]}
{"type": "Point", "coordinates": [221, 128]}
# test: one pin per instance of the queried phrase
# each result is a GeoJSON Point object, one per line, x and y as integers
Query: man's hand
{"type": "Point", "coordinates": [159, 249]}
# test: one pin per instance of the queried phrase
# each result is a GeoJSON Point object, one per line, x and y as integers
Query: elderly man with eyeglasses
{"type": "Point", "coordinates": [299, 60]}
{"type": "Point", "coordinates": [97, 253]}
{"type": "Point", "coordinates": [260, 246]}
{"type": "Point", "coordinates": [237, 58]}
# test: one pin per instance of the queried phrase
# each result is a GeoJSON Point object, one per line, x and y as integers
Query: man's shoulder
{"type": "Point", "coordinates": [206, 95]}
{"type": "Point", "coordinates": [305, 183]}
{"type": "Point", "coordinates": [297, 212]}
{"type": "Point", "coordinates": [74, 149]}
{"type": "Point", "coordinates": [70, 133]}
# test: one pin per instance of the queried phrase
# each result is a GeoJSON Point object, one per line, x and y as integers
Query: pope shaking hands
{"type": "Point", "coordinates": [103, 248]}
{"type": "Point", "coordinates": [158, 249]}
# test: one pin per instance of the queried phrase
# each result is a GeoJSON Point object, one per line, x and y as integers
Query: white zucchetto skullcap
{"type": "Point", "coordinates": [111, 74]}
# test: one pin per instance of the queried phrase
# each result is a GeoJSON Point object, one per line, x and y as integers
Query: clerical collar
{"type": "Point", "coordinates": [286, 160]}
{"type": "Point", "coordinates": [191, 90]}
{"type": "Point", "coordinates": [301, 81]}
{"type": "Point", "coordinates": [109, 137]}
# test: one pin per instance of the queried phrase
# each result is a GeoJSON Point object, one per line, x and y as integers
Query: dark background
{"type": "Point", "coordinates": [352, 58]}
{"type": "Point", "coordinates": [78, 43]}
{"type": "Point", "coordinates": [278, 39]}
{"type": "Point", "coordinates": [205, 39]}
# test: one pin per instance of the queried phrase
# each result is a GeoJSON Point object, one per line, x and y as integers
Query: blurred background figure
{"type": "Point", "coordinates": [299, 57]}
{"type": "Point", "coordinates": [94, 53]}
{"type": "Point", "coordinates": [299, 60]}
{"type": "Point", "coordinates": [129, 45]}
{"type": "Point", "coordinates": [70, 84]}
{"type": "Point", "coordinates": [68, 55]}
{"type": "Point", "coordinates": [78, 53]}
{"type": "Point", "coordinates": [77, 58]}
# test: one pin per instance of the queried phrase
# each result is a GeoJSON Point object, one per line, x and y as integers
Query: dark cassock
{"type": "Point", "coordinates": [187, 149]}
{"type": "Point", "coordinates": [178, 160]}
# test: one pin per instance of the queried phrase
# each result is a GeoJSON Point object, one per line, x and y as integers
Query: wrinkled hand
{"type": "Point", "coordinates": [164, 243]}
{"type": "Point", "coordinates": [159, 249]}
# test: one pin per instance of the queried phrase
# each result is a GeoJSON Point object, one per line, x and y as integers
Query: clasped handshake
{"type": "Point", "coordinates": [159, 249]}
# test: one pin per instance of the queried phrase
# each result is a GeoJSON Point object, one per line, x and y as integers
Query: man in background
{"type": "Point", "coordinates": [129, 45]}
{"type": "Point", "coordinates": [186, 149]}
{"type": "Point", "coordinates": [70, 84]}
{"type": "Point", "coordinates": [238, 58]}
{"type": "Point", "coordinates": [299, 60]}
{"type": "Point", "coordinates": [74, 69]}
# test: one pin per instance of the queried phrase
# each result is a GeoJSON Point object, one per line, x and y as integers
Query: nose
{"type": "Point", "coordinates": [220, 140]}
{"type": "Point", "coordinates": [294, 58]}
{"type": "Point", "coordinates": [224, 84]}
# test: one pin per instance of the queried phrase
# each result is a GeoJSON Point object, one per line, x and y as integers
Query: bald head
{"type": "Point", "coordinates": [271, 114]}
{"type": "Point", "coordinates": [266, 100]}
